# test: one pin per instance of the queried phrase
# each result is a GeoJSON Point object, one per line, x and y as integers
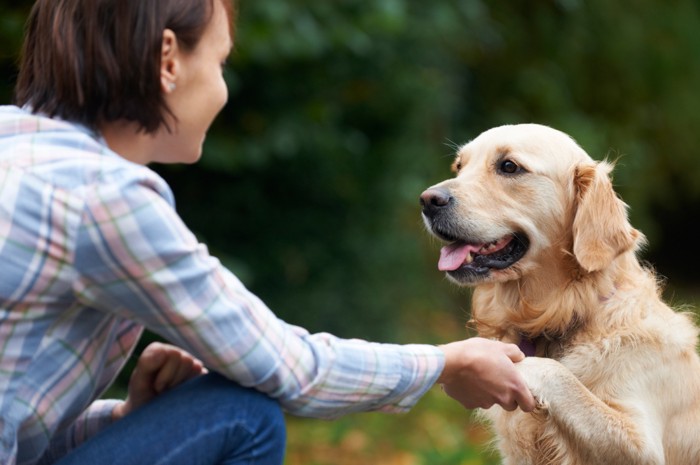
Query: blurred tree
{"type": "Point", "coordinates": [335, 127]}
{"type": "Point", "coordinates": [12, 17]}
{"type": "Point", "coordinates": [342, 112]}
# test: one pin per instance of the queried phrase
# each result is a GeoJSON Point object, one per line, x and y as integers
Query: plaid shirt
{"type": "Point", "coordinates": [92, 251]}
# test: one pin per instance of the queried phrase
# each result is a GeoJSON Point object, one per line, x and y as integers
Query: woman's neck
{"type": "Point", "coordinates": [125, 139]}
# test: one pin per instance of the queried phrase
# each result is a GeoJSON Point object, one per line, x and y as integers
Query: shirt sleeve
{"type": "Point", "coordinates": [136, 258]}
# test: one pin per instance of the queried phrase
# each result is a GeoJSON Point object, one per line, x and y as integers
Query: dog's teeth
{"type": "Point", "coordinates": [469, 259]}
{"type": "Point", "coordinates": [487, 248]}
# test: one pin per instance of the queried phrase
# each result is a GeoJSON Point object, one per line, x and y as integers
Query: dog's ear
{"type": "Point", "coordinates": [601, 229]}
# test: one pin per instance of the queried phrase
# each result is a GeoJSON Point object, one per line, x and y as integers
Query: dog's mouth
{"type": "Point", "coordinates": [466, 261]}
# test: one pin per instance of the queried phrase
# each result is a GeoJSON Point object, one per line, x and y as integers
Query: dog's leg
{"type": "Point", "coordinates": [604, 433]}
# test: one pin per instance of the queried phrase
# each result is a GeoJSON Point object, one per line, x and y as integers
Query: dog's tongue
{"type": "Point", "coordinates": [453, 256]}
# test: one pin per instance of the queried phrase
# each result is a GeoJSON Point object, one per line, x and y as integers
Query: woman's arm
{"type": "Point", "coordinates": [135, 258]}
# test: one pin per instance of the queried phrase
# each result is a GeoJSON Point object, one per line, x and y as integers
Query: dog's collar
{"type": "Point", "coordinates": [528, 346]}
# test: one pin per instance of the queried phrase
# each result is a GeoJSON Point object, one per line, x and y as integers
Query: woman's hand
{"type": "Point", "coordinates": [480, 372]}
{"type": "Point", "coordinates": [159, 368]}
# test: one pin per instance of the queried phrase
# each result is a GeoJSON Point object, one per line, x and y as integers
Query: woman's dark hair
{"type": "Point", "coordinates": [98, 61]}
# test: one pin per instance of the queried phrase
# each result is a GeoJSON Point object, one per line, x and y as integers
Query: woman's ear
{"type": "Point", "coordinates": [601, 229]}
{"type": "Point", "coordinates": [169, 62]}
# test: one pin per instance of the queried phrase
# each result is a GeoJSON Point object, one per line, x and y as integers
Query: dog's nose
{"type": "Point", "coordinates": [434, 199]}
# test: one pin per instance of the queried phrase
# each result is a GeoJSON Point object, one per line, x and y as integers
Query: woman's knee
{"type": "Point", "coordinates": [272, 427]}
{"type": "Point", "coordinates": [247, 409]}
{"type": "Point", "coordinates": [263, 414]}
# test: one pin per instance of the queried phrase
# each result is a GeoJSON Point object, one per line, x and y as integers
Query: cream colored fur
{"type": "Point", "coordinates": [616, 371]}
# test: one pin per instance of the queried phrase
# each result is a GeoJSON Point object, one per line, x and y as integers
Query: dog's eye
{"type": "Point", "coordinates": [509, 167]}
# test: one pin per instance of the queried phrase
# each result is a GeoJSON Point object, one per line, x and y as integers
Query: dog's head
{"type": "Point", "coordinates": [524, 198]}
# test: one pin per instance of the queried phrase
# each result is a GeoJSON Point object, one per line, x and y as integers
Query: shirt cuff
{"type": "Point", "coordinates": [423, 365]}
{"type": "Point", "coordinates": [96, 418]}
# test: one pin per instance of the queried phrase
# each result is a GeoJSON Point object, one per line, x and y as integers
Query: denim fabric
{"type": "Point", "coordinates": [206, 421]}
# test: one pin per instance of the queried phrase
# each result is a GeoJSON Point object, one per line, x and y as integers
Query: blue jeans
{"type": "Point", "coordinates": [205, 421]}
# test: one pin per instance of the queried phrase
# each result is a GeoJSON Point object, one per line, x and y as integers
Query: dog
{"type": "Point", "coordinates": [534, 225]}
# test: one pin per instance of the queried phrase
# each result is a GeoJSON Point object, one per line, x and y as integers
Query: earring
{"type": "Point", "coordinates": [171, 86]}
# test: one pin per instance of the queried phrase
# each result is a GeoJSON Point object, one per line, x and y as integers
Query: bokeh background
{"type": "Point", "coordinates": [340, 114]}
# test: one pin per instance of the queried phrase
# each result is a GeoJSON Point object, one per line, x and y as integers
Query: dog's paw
{"type": "Point", "coordinates": [542, 375]}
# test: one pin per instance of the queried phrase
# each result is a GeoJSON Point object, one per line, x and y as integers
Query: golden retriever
{"type": "Point", "coordinates": [534, 225]}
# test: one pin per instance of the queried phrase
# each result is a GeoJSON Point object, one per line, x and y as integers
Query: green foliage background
{"type": "Point", "coordinates": [342, 112]}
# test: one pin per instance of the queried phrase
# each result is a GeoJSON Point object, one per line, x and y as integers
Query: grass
{"type": "Point", "coordinates": [436, 431]}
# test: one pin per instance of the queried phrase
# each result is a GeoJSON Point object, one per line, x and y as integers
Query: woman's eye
{"type": "Point", "coordinates": [509, 167]}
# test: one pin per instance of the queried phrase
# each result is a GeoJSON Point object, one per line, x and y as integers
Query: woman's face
{"type": "Point", "coordinates": [199, 93]}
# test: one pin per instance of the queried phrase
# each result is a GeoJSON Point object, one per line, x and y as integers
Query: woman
{"type": "Point", "coordinates": [92, 251]}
